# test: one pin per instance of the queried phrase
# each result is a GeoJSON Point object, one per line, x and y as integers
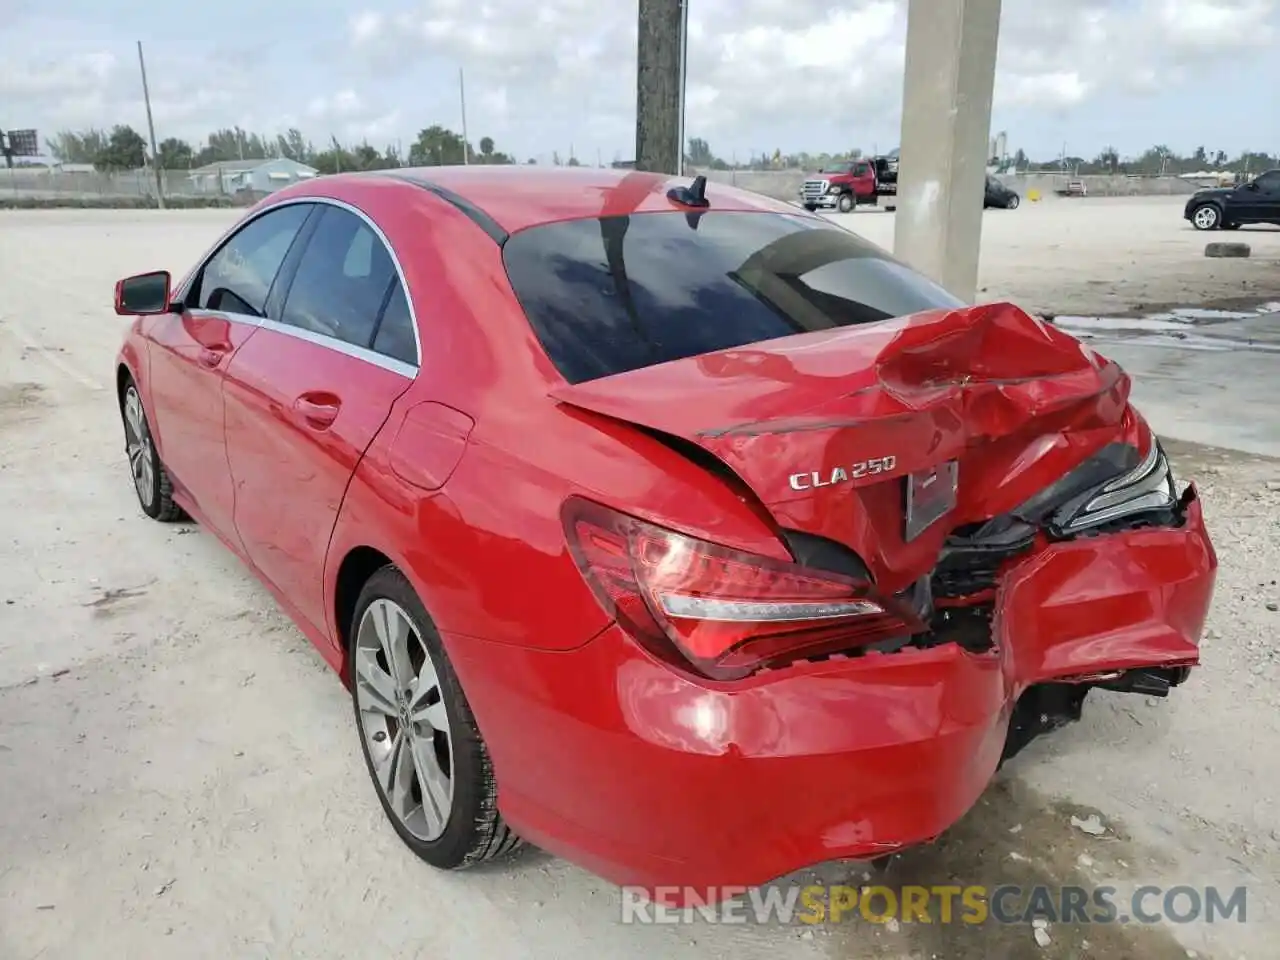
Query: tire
{"type": "Point", "coordinates": [455, 758]}
{"type": "Point", "coordinates": [1012, 202]}
{"type": "Point", "coordinates": [151, 480]}
{"type": "Point", "coordinates": [1206, 217]}
{"type": "Point", "coordinates": [846, 203]}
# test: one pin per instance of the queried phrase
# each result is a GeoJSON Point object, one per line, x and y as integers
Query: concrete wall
{"type": "Point", "coordinates": [785, 184]}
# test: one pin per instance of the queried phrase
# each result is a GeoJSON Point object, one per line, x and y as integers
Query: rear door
{"type": "Point", "coordinates": [308, 393]}
{"type": "Point", "coordinates": [223, 307]}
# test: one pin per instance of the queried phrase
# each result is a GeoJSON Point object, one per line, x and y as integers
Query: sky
{"type": "Point", "coordinates": [559, 75]}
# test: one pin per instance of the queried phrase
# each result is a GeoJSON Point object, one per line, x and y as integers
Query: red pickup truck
{"type": "Point", "coordinates": [851, 184]}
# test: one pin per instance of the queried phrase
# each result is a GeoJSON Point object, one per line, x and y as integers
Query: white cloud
{"type": "Point", "coordinates": [762, 73]}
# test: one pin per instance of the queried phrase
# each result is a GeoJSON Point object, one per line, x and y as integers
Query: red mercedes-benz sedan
{"type": "Point", "coordinates": [663, 525]}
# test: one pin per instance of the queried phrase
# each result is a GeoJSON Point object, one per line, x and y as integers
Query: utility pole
{"type": "Point", "coordinates": [946, 132]}
{"type": "Point", "coordinates": [151, 127]}
{"type": "Point", "coordinates": [684, 74]}
{"type": "Point", "coordinates": [659, 72]}
{"type": "Point", "coordinates": [462, 95]}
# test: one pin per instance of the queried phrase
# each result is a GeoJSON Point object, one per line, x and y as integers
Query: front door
{"type": "Point", "coordinates": [190, 352]}
{"type": "Point", "coordinates": [1265, 201]}
{"type": "Point", "coordinates": [305, 398]}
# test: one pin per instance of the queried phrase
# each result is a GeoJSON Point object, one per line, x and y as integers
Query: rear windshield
{"type": "Point", "coordinates": [609, 295]}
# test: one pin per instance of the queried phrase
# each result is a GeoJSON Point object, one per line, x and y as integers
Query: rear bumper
{"type": "Point", "coordinates": [648, 777]}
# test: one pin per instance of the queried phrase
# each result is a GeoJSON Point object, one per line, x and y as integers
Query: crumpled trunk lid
{"type": "Point", "coordinates": [826, 427]}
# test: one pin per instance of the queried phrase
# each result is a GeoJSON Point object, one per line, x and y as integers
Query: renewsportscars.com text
{"type": "Point", "coordinates": [944, 904]}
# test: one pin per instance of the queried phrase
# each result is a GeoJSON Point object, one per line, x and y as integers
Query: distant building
{"type": "Point", "coordinates": [260, 176]}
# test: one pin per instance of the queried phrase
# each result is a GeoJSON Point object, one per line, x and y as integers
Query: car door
{"type": "Point", "coordinates": [222, 307]}
{"type": "Point", "coordinates": [306, 395]}
{"type": "Point", "coordinates": [1265, 201]}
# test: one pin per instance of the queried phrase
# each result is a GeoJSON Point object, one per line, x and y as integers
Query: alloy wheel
{"type": "Point", "coordinates": [137, 441]}
{"type": "Point", "coordinates": [403, 719]}
{"type": "Point", "coordinates": [1205, 218]}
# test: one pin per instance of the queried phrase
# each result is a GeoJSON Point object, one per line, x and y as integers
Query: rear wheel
{"type": "Point", "coordinates": [1206, 217]}
{"type": "Point", "coordinates": [1012, 202]}
{"type": "Point", "coordinates": [150, 479]}
{"type": "Point", "coordinates": [424, 753]}
{"type": "Point", "coordinates": [846, 203]}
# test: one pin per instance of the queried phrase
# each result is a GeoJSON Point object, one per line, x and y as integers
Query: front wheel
{"type": "Point", "coordinates": [846, 203]}
{"type": "Point", "coordinates": [1012, 203]}
{"type": "Point", "coordinates": [423, 750]}
{"type": "Point", "coordinates": [1206, 217]}
{"type": "Point", "coordinates": [150, 479]}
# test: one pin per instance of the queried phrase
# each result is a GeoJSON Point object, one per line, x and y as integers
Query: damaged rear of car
{"type": "Point", "coordinates": [974, 530]}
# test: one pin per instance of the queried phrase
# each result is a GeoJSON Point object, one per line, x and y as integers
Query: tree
{"type": "Point", "coordinates": [175, 154]}
{"type": "Point", "coordinates": [233, 144]}
{"type": "Point", "coordinates": [486, 147]}
{"type": "Point", "coordinates": [295, 146]}
{"type": "Point", "coordinates": [700, 154]}
{"type": "Point", "coordinates": [70, 146]}
{"type": "Point", "coordinates": [438, 146]}
{"type": "Point", "coordinates": [124, 150]}
{"type": "Point", "coordinates": [1108, 160]}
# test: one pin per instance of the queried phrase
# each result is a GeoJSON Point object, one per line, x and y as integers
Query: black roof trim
{"type": "Point", "coordinates": [477, 216]}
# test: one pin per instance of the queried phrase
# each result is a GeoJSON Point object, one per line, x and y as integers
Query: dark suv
{"type": "Point", "coordinates": [1226, 208]}
{"type": "Point", "coordinates": [996, 194]}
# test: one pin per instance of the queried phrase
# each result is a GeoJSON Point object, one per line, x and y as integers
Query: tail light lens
{"type": "Point", "coordinates": [725, 612]}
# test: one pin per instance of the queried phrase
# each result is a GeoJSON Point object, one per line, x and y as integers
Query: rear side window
{"type": "Point", "coordinates": [342, 280]}
{"type": "Point", "coordinates": [395, 333]}
{"type": "Point", "coordinates": [609, 295]}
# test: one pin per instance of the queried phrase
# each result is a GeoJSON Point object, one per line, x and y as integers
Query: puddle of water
{"type": "Point", "coordinates": [1086, 324]}
{"type": "Point", "coordinates": [1171, 328]}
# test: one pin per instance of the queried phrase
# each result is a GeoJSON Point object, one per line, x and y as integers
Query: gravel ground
{"type": "Point", "coordinates": [178, 775]}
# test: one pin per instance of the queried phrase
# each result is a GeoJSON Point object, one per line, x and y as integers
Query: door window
{"type": "Point", "coordinates": [342, 280]}
{"type": "Point", "coordinates": [238, 277]}
{"type": "Point", "coordinates": [394, 337]}
{"type": "Point", "coordinates": [1269, 182]}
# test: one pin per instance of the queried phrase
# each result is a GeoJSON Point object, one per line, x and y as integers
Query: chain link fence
{"type": "Point", "coordinates": [40, 186]}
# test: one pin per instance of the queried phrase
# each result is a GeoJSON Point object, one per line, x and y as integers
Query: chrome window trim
{"type": "Point", "coordinates": [360, 353]}
{"type": "Point", "coordinates": [391, 364]}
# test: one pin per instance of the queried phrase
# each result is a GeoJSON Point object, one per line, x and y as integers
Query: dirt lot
{"type": "Point", "coordinates": [178, 776]}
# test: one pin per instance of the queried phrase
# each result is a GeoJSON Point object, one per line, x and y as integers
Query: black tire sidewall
{"type": "Point", "coordinates": [470, 782]}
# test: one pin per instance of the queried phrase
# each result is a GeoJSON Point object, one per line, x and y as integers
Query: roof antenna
{"type": "Point", "coordinates": [694, 195]}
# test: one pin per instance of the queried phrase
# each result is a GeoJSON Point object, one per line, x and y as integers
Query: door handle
{"type": "Point", "coordinates": [212, 356]}
{"type": "Point", "coordinates": [318, 410]}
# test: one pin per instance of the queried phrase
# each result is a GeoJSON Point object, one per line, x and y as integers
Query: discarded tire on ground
{"type": "Point", "coordinates": [1226, 250]}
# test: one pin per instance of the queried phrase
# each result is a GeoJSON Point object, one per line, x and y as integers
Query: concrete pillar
{"type": "Point", "coordinates": [659, 56]}
{"type": "Point", "coordinates": [946, 122]}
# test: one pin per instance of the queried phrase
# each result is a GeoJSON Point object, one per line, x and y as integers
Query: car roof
{"type": "Point", "coordinates": [516, 197]}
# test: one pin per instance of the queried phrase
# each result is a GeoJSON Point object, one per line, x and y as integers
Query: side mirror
{"type": "Point", "coordinates": [144, 294]}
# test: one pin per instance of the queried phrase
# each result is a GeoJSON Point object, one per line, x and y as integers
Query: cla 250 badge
{"type": "Point", "coordinates": [855, 471]}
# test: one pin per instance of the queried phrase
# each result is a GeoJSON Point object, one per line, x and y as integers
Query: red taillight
{"type": "Point", "coordinates": [726, 612]}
